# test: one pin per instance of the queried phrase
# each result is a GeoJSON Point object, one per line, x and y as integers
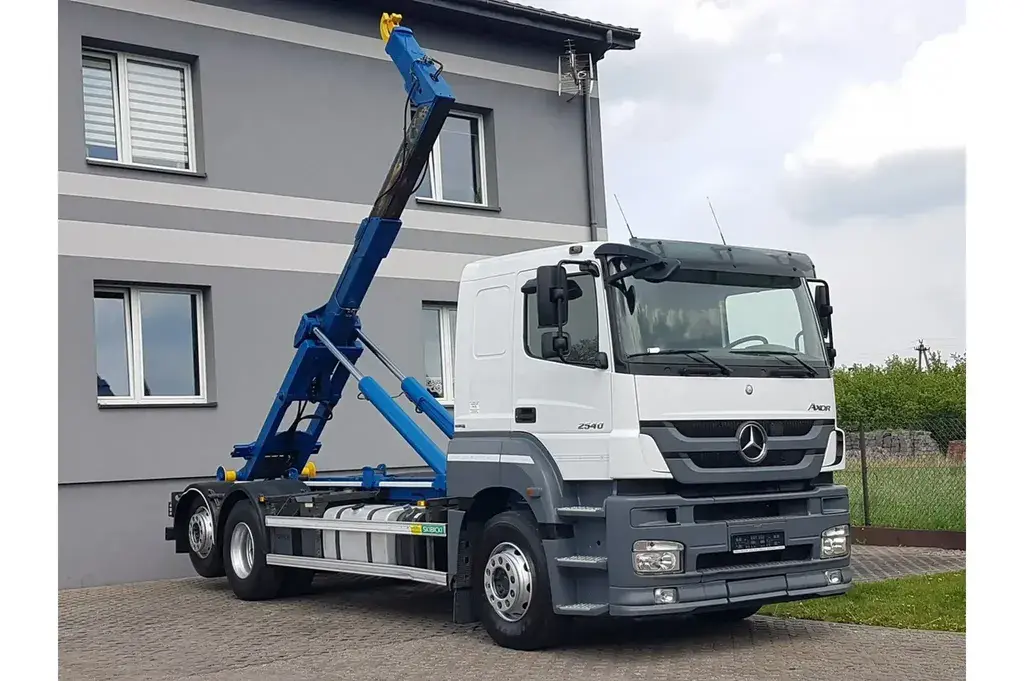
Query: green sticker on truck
{"type": "Point", "coordinates": [436, 529]}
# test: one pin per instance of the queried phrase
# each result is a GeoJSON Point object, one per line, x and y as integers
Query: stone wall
{"type": "Point", "coordinates": [902, 444]}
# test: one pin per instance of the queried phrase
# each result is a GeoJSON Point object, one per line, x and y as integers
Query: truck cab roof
{"type": "Point", "coordinates": [688, 254]}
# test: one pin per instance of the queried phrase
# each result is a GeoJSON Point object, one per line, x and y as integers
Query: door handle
{"type": "Point", "coordinates": [526, 415]}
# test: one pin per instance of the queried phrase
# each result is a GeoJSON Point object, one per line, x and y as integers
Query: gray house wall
{"type": "Point", "coordinates": [297, 120]}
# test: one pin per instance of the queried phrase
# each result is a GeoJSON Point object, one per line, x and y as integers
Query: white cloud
{"type": "Point", "coordinates": [924, 110]}
{"type": "Point", "coordinates": [704, 107]}
{"type": "Point", "coordinates": [889, 148]}
{"type": "Point", "coordinates": [716, 22]}
{"type": "Point", "coordinates": [619, 113]}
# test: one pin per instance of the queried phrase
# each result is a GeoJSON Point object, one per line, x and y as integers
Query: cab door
{"type": "Point", "coordinates": [566, 404]}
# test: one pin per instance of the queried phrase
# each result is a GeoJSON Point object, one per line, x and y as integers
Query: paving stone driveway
{"type": "Point", "coordinates": [874, 563]}
{"type": "Point", "coordinates": [376, 630]}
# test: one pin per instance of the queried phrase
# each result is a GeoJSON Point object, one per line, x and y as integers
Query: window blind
{"type": "Point", "coordinates": [157, 110]}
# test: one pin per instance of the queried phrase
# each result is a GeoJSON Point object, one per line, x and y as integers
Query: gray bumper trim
{"type": "Point", "coordinates": [697, 596]}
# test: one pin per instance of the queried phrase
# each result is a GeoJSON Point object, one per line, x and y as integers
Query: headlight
{"type": "Point", "coordinates": [835, 541]}
{"type": "Point", "coordinates": [657, 557]}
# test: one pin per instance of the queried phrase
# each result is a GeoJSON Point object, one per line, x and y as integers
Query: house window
{"type": "Point", "coordinates": [138, 110]}
{"type": "Point", "coordinates": [149, 345]}
{"type": "Point", "coordinates": [439, 351]}
{"type": "Point", "coordinates": [455, 172]}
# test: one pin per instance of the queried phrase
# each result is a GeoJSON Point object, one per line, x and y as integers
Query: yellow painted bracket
{"type": "Point", "coordinates": [388, 23]}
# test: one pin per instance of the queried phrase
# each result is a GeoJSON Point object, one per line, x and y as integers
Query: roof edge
{"type": "Point", "coordinates": [598, 35]}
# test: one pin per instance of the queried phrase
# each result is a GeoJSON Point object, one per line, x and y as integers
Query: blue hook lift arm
{"type": "Point", "coordinates": [328, 339]}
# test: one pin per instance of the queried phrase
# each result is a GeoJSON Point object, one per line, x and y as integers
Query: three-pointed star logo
{"type": "Point", "coordinates": [753, 441]}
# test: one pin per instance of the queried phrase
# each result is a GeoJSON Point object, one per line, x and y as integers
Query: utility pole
{"type": "Point", "coordinates": [923, 361]}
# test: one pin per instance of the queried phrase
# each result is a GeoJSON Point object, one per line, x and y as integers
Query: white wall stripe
{"type": "Point", "coordinates": [323, 38]}
{"type": "Point", "coordinates": [151, 244]}
{"type": "Point", "coordinates": [232, 200]}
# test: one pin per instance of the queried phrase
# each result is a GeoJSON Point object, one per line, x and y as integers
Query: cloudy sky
{"type": "Point", "coordinates": [834, 127]}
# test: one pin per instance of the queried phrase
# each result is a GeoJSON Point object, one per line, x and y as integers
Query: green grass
{"type": "Point", "coordinates": [909, 497]}
{"type": "Point", "coordinates": [932, 602]}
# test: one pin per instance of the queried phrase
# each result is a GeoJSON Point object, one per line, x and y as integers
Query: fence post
{"type": "Point", "coordinates": [864, 475]}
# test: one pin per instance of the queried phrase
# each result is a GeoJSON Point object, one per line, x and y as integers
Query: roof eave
{"type": "Point", "coordinates": [595, 37]}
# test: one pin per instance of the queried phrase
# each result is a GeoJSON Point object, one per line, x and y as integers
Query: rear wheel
{"type": "Point", "coordinates": [203, 551]}
{"type": "Point", "coordinates": [245, 556]}
{"type": "Point", "coordinates": [510, 584]}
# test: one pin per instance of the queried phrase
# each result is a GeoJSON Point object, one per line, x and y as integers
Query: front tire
{"type": "Point", "coordinates": [203, 551]}
{"type": "Point", "coordinates": [245, 555]}
{"type": "Point", "coordinates": [511, 586]}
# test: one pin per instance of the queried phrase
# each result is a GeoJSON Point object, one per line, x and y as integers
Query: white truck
{"type": "Point", "coordinates": [640, 428]}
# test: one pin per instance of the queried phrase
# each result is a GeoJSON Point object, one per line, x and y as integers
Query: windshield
{"type": "Point", "coordinates": [727, 316]}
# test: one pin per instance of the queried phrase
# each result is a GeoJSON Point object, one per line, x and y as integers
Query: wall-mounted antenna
{"type": "Point", "coordinates": [716, 221]}
{"type": "Point", "coordinates": [623, 213]}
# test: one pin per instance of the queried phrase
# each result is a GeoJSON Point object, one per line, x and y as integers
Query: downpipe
{"type": "Point", "coordinates": [588, 123]}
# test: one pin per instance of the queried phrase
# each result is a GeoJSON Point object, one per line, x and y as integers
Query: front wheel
{"type": "Point", "coordinates": [245, 555]}
{"type": "Point", "coordinates": [510, 584]}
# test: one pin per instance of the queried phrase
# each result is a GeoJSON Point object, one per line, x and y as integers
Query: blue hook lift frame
{"type": "Point", "coordinates": [329, 340]}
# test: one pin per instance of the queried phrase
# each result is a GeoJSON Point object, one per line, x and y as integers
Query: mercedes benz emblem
{"type": "Point", "coordinates": [753, 441]}
{"type": "Point", "coordinates": [749, 390]}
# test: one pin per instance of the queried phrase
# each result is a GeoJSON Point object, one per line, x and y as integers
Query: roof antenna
{"type": "Point", "coordinates": [716, 221]}
{"type": "Point", "coordinates": [623, 213]}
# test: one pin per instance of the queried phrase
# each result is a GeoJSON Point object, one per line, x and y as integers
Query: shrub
{"type": "Point", "coordinates": [897, 395]}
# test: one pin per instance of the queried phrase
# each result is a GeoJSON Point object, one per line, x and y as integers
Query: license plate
{"type": "Point", "coordinates": [758, 541]}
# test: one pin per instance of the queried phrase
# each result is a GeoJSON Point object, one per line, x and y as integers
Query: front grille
{"type": "Point", "coordinates": [723, 428]}
{"type": "Point", "coordinates": [725, 560]}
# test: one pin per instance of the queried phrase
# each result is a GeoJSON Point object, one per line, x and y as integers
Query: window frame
{"type": "Point", "coordinates": [122, 123]}
{"type": "Point", "coordinates": [446, 313]}
{"type": "Point", "coordinates": [434, 166]}
{"type": "Point", "coordinates": [134, 345]}
{"type": "Point", "coordinates": [526, 315]}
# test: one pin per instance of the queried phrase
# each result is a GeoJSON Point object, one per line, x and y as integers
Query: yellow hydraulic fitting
{"type": "Point", "coordinates": [230, 476]}
{"type": "Point", "coordinates": [388, 22]}
{"type": "Point", "coordinates": [309, 470]}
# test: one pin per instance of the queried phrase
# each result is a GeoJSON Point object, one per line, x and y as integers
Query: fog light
{"type": "Point", "coordinates": [667, 595]}
{"type": "Point", "coordinates": [833, 577]}
{"type": "Point", "coordinates": [657, 557]}
{"type": "Point", "coordinates": [835, 541]}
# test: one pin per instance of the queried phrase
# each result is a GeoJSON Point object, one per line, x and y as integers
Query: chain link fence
{"type": "Point", "coordinates": [909, 478]}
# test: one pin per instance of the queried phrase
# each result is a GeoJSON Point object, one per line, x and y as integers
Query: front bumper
{"type": "Point", "coordinates": [713, 576]}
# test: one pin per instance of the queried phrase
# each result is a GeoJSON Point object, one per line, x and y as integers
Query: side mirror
{"type": "Point", "coordinates": [552, 296]}
{"type": "Point", "coordinates": [823, 309]}
{"type": "Point", "coordinates": [554, 344]}
{"type": "Point", "coordinates": [822, 305]}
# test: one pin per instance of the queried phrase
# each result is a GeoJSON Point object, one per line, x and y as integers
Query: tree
{"type": "Point", "coordinates": [897, 395]}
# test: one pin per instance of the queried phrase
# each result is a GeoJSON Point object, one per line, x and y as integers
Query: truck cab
{"type": "Point", "coordinates": [648, 365]}
{"type": "Point", "coordinates": [666, 412]}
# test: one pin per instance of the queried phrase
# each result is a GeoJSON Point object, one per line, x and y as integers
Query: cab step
{"type": "Point", "coordinates": [583, 609]}
{"type": "Point", "coordinates": [588, 562]}
{"type": "Point", "coordinates": [581, 512]}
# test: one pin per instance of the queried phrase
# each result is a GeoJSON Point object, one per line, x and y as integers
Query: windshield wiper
{"type": "Point", "coordinates": [775, 353]}
{"type": "Point", "coordinates": [675, 351]}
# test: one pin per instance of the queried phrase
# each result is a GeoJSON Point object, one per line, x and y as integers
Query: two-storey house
{"type": "Point", "coordinates": [215, 159]}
